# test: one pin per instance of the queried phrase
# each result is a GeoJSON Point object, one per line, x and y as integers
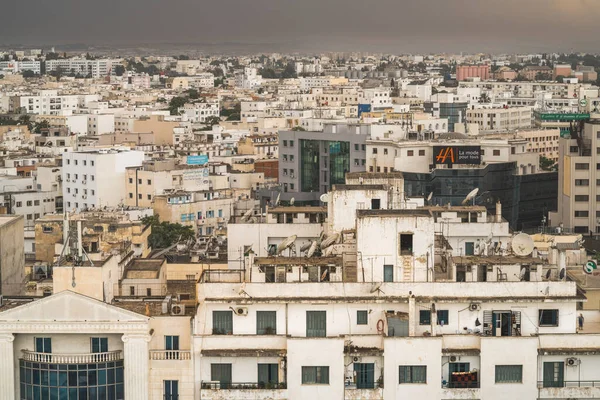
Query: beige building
{"type": "Point", "coordinates": [12, 254]}
{"type": "Point", "coordinates": [160, 129]}
{"type": "Point", "coordinates": [206, 211]}
{"type": "Point", "coordinates": [264, 146]}
{"type": "Point", "coordinates": [103, 232]}
{"type": "Point", "coordinates": [542, 141]}
{"type": "Point", "coordinates": [159, 176]}
{"type": "Point", "coordinates": [579, 180]}
{"type": "Point", "coordinates": [500, 118]}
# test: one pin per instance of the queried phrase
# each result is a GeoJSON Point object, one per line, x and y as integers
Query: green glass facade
{"type": "Point", "coordinates": [339, 162]}
{"type": "Point", "coordinates": [309, 165]}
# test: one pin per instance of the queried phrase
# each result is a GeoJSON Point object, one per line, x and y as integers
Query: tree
{"type": "Point", "coordinates": [28, 74]}
{"type": "Point", "coordinates": [119, 70]}
{"type": "Point", "coordinates": [176, 103]}
{"type": "Point", "coordinates": [58, 73]}
{"type": "Point", "coordinates": [560, 78]}
{"type": "Point", "coordinates": [52, 56]}
{"type": "Point", "coordinates": [234, 117]}
{"type": "Point", "coordinates": [212, 120]}
{"type": "Point", "coordinates": [41, 125]}
{"type": "Point", "coordinates": [298, 128]}
{"type": "Point", "coordinates": [267, 73]}
{"type": "Point", "coordinates": [484, 98]}
{"type": "Point", "coordinates": [543, 76]}
{"type": "Point", "coordinates": [289, 71]}
{"type": "Point", "coordinates": [152, 70]}
{"type": "Point", "coordinates": [192, 94]}
{"type": "Point", "coordinates": [165, 234]}
{"type": "Point", "coordinates": [26, 120]}
{"type": "Point", "coordinates": [547, 164]}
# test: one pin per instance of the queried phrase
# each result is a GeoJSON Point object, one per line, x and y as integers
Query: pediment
{"type": "Point", "coordinates": [69, 306]}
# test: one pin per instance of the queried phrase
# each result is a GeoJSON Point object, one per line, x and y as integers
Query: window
{"type": "Point", "coordinates": [425, 317]}
{"type": "Point", "coordinates": [222, 322]}
{"type": "Point", "coordinates": [36, 202]}
{"type": "Point", "coordinates": [496, 152]}
{"type": "Point", "coordinates": [385, 151]}
{"type": "Point", "coordinates": [268, 374]}
{"type": "Point", "coordinates": [421, 152]}
{"type": "Point", "coordinates": [149, 197]}
{"type": "Point", "coordinates": [92, 177]}
{"type": "Point", "coordinates": [582, 182]}
{"type": "Point", "coordinates": [362, 317]}
{"type": "Point", "coordinates": [130, 180]}
{"type": "Point", "coordinates": [20, 204]}
{"type": "Point", "coordinates": [410, 153]}
{"type": "Point", "coordinates": [573, 149]}
{"type": "Point", "coordinates": [582, 166]}
{"type": "Point", "coordinates": [140, 196]}
{"type": "Point", "coordinates": [406, 244]}
{"type": "Point", "coordinates": [356, 146]}
{"type": "Point", "coordinates": [47, 229]}
{"type": "Point", "coordinates": [285, 143]}
{"type": "Point", "coordinates": [316, 323]}
{"type": "Point", "coordinates": [388, 273]}
{"type": "Point", "coordinates": [139, 181]}
{"type": "Point", "coordinates": [266, 322]}
{"type": "Point", "coordinates": [548, 317]}
{"type": "Point", "coordinates": [99, 345]}
{"type": "Point", "coordinates": [413, 374]}
{"type": "Point", "coordinates": [315, 375]}
{"type": "Point", "coordinates": [172, 344]}
{"type": "Point", "coordinates": [131, 195]}
{"type": "Point", "coordinates": [509, 374]}
{"type": "Point", "coordinates": [29, 203]}
{"type": "Point", "coordinates": [374, 150]}
{"type": "Point", "coordinates": [582, 197]}
{"type": "Point", "coordinates": [148, 292]}
{"type": "Point", "coordinates": [43, 345]}
{"type": "Point", "coordinates": [291, 143]}
{"type": "Point", "coordinates": [171, 390]}
{"type": "Point", "coordinates": [221, 373]}
{"type": "Point", "coordinates": [132, 290]}
{"type": "Point", "coordinates": [582, 214]}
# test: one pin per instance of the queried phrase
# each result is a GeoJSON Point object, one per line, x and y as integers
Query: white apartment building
{"type": "Point", "coordinates": [95, 68]}
{"type": "Point", "coordinates": [50, 102]}
{"type": "Point", "coordinates": [198, 112]}
{"type": "Point", "coordinates": [248, 78]}
{"type": "Point", "coordinates": [500, 119]}
{"type": "Point", "coordinates": [378, 98]}
{"type": "Point", "coordinates": [96, 178]}
{"type": "Point", "coordinates": [17, 67]}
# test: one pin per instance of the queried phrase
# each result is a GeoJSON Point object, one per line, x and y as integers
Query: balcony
{"type": "Point", "coordinates": [90, 358]}
{"type": "Point", "coordinates": [569, 390]}
{"type": "Point", "coordinates": [373, 390]}
{"type": "Point", "coordinates": [243, 391]}
{"type": "Point", "coordinates": [170, 354]}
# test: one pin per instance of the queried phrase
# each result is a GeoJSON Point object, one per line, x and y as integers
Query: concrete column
{"type": "Point", "coordinates": [413, 318]}
{"type": "Point", "coordinates": [136, 368]}
{"type": "Point", "coordinates": [7, 367]}
{"type": "Point", "coordinates": [433, 319]}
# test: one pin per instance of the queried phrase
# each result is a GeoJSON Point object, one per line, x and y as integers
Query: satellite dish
{"type": "Point", "coordinates": [247, 215]}
{"type": "Point", "coordinates": [331, 239]}
{"type": "Point", "coordinates": [470, 196]}
{"type": "Point", "coordinates": [287, 243]}
{"type": "Point", "coordinates": [429, 197]}
{"type": "Point", "coordinates": [327, 252]}
{"type": "Point", "coordinates": [292, 200]}
{"type": "Point", "coordinates": [522, 245]}
{"type": "Point", "coordinates": [312, 249]}
{"type": "Point", "coordinates": [375, 288]}
{"type": "Point", "coordinates": [305, 247]}
{"type": "Point", "coordinates": [277, 200]}
{"type": "Point", "coordinates": [522, 273]}
{"type": "Point", "coordinates": [548, 273]}
{"type": "Point", "coordinates": [562, 273]}
{"type": "Point", "coordinates": [324, 198]}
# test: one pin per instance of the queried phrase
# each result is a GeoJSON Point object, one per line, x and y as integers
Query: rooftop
{"type": "Point", "coordinates": [393, 213]}
{"type": "Point", "coordinates": [297, 209]}
{"type": "Point", "coordinates": [143, 268]}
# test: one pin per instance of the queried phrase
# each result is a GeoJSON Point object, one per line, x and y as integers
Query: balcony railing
{"type": "Point", "coordinates": [242, 385]}
{"type": "Point", "coordinates": [568, 384]}
{"type": "Point", "coordinates": [170, 354]}
{"type": "Point", "coordinates": [54, 358]}
{"type": "Point", "coordinates": [463, 385]}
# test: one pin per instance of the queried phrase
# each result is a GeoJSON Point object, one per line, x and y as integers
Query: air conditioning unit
{"type": "Point", "coordinates": [242, 311]}
{"type": "Point", "coordinates": [84, 182]}
{"type": "Point", "coordinates": [572, 362]}
{"type": "Point", "coordinates": [84, 196]}
{"type": "Point", "coordinates": [177, 309]}
{"type": "Point", "coordinates": [356, 359]}
{"type": "Point", "coordinates": [474, 307]}
{"type": "Point", "coordinates": [68, 180]}
{"type": "Point", "coordinates": [453, 358]}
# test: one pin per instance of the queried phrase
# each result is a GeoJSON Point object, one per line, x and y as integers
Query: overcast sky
{"type": "Point", "coordinates": [386, 25]}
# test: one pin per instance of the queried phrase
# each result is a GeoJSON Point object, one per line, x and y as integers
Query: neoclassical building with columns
{"type": "Point", "coordinates": [70, 346]}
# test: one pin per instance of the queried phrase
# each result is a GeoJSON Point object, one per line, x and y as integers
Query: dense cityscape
{"type": "Point", "coordinates": [192, 225]}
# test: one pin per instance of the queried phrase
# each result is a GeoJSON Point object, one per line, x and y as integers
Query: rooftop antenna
{"type": "Point", "coordinates": [246, 215]}
{"type": "Point", "coordinates": [292, 200]}
{"type": "Point", "coordinates": [470, 196]}
{"type": "Point", "coordinates": [278, 199]}
{"type": "Point", "coordinates": [312, 249]}
{"type": "Point", "coordinates": [429, 197]}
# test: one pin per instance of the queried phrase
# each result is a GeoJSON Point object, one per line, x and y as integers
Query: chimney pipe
{"type": "Point", "coordinates": [498, 211]}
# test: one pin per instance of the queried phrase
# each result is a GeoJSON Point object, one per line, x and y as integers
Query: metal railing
{"type": "Point", "coordinates": [170, 354]}
{"type": "Point", "coordinates": [242, 385]}
{"type": "Point", "coordinates": [463, 385]}
{"type": "Point", "coordinates": [54, 358]}
{"type": "Point", "coordinates": [568, 384]}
